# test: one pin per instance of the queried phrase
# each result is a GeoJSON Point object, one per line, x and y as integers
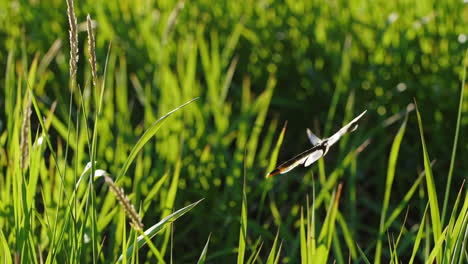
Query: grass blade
{"type": "Point", "coordinates": [202, 258]}
{"type": "Point", "coordinates": [273, 254]}
{"type": "Point", "coordinates": [396, 212]}
{"type": "Point", "coordinates": [328, 229]}
{"type": "Point", "coordinates": [392, 161]}
{"type": "Point", "coordinates": [303, 241]}
{"type": "Point", "coordinates": [419, 236]}
{"type": "Point", "coordinates": [152, 231]}
{"type": "Point", "coordinates": [437, 248]}
{"type": "Point", "coordinates": [243, 229]}
{"type": "Point", "coordinates": [149, 133]}
{"type": "Point", "coordinates": [363, 255]}
{"type": "Point", "coordinates": [455, 140]}
{"type": "Point", "coordinates": [4, 250]}
{"type": "Point", "coordinates": [275, 152]}
{"type": "Point", "coordinates": [431, 189]}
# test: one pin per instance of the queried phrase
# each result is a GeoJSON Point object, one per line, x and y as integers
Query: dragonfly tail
{"type": "Point", "coordinates": [273, 173]}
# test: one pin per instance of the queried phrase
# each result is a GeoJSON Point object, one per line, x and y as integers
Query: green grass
{"type": "Point", "coordinates": [186, 118]}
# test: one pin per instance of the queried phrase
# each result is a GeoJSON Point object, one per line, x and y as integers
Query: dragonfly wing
{"type": "Point", "coordinates": [313, 138]}
{"type": "Point", "coordinates": [333, 139]}
{"type": "Point", "coordinates": [319, 148]}
{"type": "Point", "coordinates": [294, 165]}
{"type": "Point", "coordinates": [294, 162]}
{"type": "Point", "coordinates": [350, 127]}
{"type": "Point", "coordinates": [313, 157]}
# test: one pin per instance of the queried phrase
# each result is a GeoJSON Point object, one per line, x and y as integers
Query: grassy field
{"type": "Point", "coordinates": [143, 133]}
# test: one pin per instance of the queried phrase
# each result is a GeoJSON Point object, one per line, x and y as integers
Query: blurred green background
{"type": "Point", "coordinates": [254, 65]}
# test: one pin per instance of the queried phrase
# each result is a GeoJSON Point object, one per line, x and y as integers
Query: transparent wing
{"type": "Point", "coordinates": [313, 138]}
{"type": "Point", "coordinates": [350, 127]}
{"type": "Point", "coordinates": [294, 165]}
{"type": "Point", "coordinates": [313, 157]}
{"type": "Point", "coordinates": [296, 161]}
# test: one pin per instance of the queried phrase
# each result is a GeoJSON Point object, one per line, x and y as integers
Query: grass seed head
{"type": "Point", "coordinates": [129, 209]}
{"type": "Point", "coordinates": [73, 39]}
{"type": "Point", "coordinates": [25, 127]}
{"type": "Point", "coordinates": [91, 48]}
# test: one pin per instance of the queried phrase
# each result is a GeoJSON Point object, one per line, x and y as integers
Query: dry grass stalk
{"type": "Point", "coordinates": [73, 39]}
{"type": "Point", "coordinates": [25, 127]}
{"type": "Point", "coordinates": [92, 49]}
{"type": "Point", "coordinates": [135, 219]}
{"type": "Point", "coordinates": [171, 21]}
{"type": "Point", "coordinates": [49, 56]}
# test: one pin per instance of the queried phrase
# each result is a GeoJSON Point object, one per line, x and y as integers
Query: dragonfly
{"type": "Point", "coordinates": [318, 150]}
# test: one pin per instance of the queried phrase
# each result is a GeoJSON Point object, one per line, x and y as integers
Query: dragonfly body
{"type": "Point", "coordinates": [319, 148]}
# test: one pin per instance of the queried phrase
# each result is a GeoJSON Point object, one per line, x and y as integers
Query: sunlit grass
{"type": "Point", "coordinates": [186, 178]}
